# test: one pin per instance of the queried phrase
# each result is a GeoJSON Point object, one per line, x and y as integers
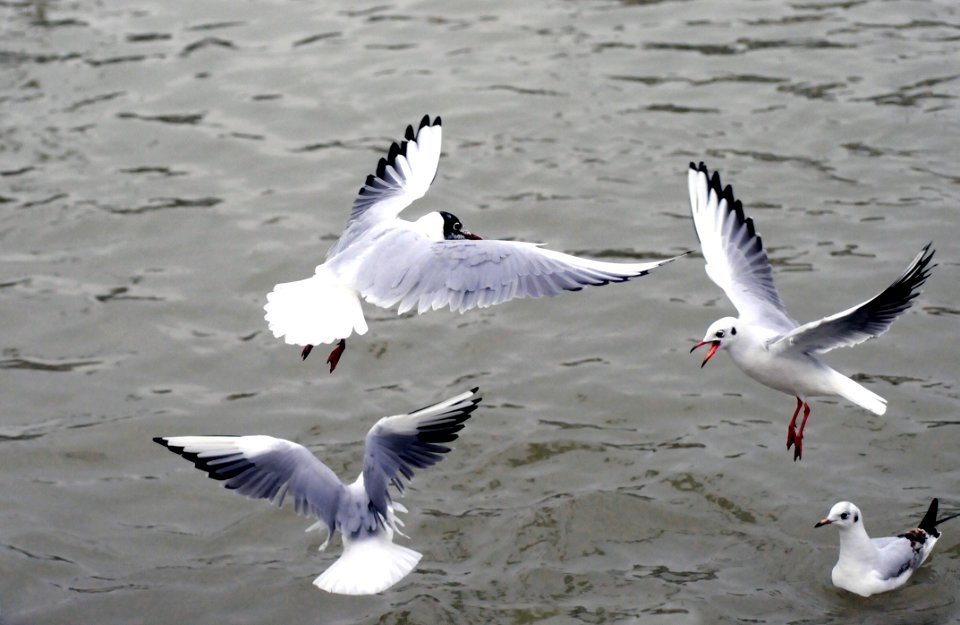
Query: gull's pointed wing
{"type": "Point", "coordinates": [406, 269]}
{"type": "Point", "coordinates": [402, 177]}
{"type": "Point", "coordinates": [264, 467]}
{"type": "Point", "coordinates": [734, 254]}
{"type": "Point", "coordinates": [397, 445]}
{"type": "Point", "coordinates": [864, 321]}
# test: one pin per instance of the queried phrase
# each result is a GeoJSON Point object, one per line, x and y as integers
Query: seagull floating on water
{"type": "Point", "coordinates": [264, 467]}
{"type": "Point", "coordinates": [425, 264]}
{"type": "Point", "coordinates": [868, 566]}
{"type": "Point", "coordinates": [764, 341]}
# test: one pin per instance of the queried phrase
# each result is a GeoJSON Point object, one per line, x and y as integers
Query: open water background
{"type": "Point", "coordinates": [164, 163]}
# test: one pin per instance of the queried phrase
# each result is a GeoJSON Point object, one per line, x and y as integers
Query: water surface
{"type": "Point", "coordinates": [163, 164]}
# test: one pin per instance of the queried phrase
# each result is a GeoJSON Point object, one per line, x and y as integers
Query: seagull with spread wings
{"type": "Point", "coordinates": [264, 467]}
{"type": "Point", "coordinates": [764, 341]}
{"type": "Point", "coordinates": [427, 264]}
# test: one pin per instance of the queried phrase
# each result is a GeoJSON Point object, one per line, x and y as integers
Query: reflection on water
{"type": "Point", "coordinates": [163, 165]}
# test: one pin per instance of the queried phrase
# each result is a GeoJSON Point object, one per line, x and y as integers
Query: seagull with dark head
{"type": "Point", "coordinates": [427, 264]}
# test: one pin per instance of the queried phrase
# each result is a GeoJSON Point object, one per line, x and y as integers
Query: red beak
{"type": "Point", "coordinates": [714, 346]}
{"type": "Point", "coordinates": [823, 522]}
{"type": "Point", "coordinates": [472, 236]}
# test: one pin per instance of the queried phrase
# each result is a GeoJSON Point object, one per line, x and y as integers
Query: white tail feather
{"type": "Point", "coordinates": [859, 395]}
{"type": "Point", "coordinates": [316, 310]}
{"type": "Point", "coordinates": [368, 566]}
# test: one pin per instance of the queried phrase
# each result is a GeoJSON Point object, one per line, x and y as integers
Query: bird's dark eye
{"type": "Point", "coordinates": [844, 516]}
{"type": "Point", "coordinates": [733, 331]}
{"type": "Point", "coordinates": [457, 226]}
{"type": "Point", "coordinates": [719, 334]}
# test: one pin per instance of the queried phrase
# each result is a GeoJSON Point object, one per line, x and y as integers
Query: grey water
{"type": "Point", "coordinates": [164, 163]}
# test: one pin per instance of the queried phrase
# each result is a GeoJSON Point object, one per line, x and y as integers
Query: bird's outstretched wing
{"type": "Point", "coordinates": [734, 254]}
{"type": "Point", "coordinates": [402, 177]}
{"type": "Point", "coordinates": [864, 321]}
{"type": "Point", "coordinates": [397, 445]}
{"type": "Point", "coordinates": [408, 270]}
{"type": "Point", "coordinates": [264, 467]}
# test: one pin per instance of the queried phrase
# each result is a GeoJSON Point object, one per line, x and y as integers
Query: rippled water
{"type": "Point", "coordinates": [163, 164]}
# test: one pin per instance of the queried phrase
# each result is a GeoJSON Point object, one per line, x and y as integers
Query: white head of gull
{"type": "Point", "coordinates": [868, 566]}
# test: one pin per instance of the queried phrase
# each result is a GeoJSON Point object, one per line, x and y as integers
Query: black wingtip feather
{"type": "Point", "coordinates": [734, 205]}
{"type": "Point", "coordinates": [727, 192]}
{"type": "Point", "coordinates": [899, 296]}
{"type": "Point", "coordinates": [929, 522]}
{"type": "Point", "coordinates": [424, 122]}
{"type": "Point", "coordinates": [220, 472]}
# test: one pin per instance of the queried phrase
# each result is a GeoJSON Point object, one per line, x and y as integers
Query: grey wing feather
{"type": "Point", "coordinates": [867, 320]}
{"type": "Point", "coordinates": [733, 251]}
{"type": "Point", "coordinates": [397, 445]}
{"type": "Point", "coordinates": [883, 541]}
{"type": "Point", "coordinates": [263, 467]}
{"type": "Point", "coordinates": [408, 270]}
{"type": "Point", "coordinates": [897, 556]}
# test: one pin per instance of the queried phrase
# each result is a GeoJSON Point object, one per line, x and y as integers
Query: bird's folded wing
{"type": "Point", "coordinates": [897, 556]}
{"type": "Point", "coordinates": [864, 321]}
{"type": "Point", "coordinates": [402, 177]}
{"type": "Point", "coordinates": [406, 269]}
{"type": "Point", "coordinates": [397, 445]}
{"type": "Point", "coordinates": [264, 467]}
{"type": "Point", "coordinates": [733, 251]}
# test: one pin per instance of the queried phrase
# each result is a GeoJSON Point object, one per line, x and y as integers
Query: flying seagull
{"type": "Point", "coordinates": [427, 264]}
{"type": "Point", "coordinates": [264, 467]}
{"type": "Point", "coordinates": [868, 566]}
{"type": "Point", "coordinates": [764, 341]}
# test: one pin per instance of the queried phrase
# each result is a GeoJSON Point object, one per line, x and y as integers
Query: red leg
{"type": "Point", "coordinates": [799, 450]}
{"type": "Point", "coordinates": [791, 432]}
{"type": "Point", "coordinates": [306, 352]}
{"type": "Point", "coordinates": [334, 356]}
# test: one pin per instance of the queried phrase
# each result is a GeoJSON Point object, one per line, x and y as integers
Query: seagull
{"type": "Point", "coordinates": [427, 264]}
{"type": "Point", "coordinates": [867, 565]}
{"type": "Point", "coordinates": [264, 467]}
{"type": "Point", "coordinates": [764, 341]}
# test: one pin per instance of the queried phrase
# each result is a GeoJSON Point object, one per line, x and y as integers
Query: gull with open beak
{"type": "Point", "coordinates": [764, 341]}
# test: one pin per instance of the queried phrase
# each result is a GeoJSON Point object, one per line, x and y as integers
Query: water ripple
{"type": "Point", "coordinates": [166, 203]}
{"type": "Point", "coordinates": [315, 38]}
{"type": "Point", "coordinates": [674, 577]}
{"type": "Point", "coordinates": [207, 42]}
{"type": "Point", "coordinates": [170, 118]}
{"type": "Point", "coordinates": [50, 366]}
